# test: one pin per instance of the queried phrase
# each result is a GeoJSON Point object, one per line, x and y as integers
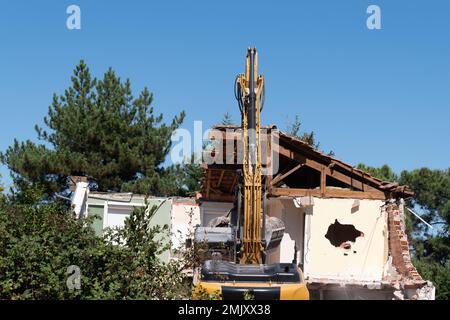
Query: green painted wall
{"type": "Point", "coordinates": [97, 225]}
{"type": "Point", "coordinates": [161, 217]}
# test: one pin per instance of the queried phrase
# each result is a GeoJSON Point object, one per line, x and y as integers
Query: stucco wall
{"type": "Point", "coordinates": [293, 219]}
{"type": "Point", "coordinates": [366, 258]}
{"type": "Point", "coordinates": [185, 216]}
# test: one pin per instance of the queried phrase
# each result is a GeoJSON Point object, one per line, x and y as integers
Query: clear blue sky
{"type": "Point", "coordinates": [372, 96]}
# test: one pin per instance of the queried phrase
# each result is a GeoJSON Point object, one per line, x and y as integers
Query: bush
{"type": "Point", "coordinates": [39, 241]}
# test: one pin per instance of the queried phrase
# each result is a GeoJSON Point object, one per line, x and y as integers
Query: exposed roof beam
{"type": "Point", "coordinates": [329, 193]}
{"type": "Point", "coordinates": [282, 176]}
{"type": "Point", "coordinates": [354, 183]}
{"type": "Point", "coordinates": [222, 172]}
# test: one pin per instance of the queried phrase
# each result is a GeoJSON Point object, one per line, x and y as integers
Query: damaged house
{"type": "Point", "coordinates": [345, 228]}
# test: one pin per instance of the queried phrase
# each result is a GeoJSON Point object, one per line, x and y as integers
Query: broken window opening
{"type": "Point", "coordinates": [342, 235]}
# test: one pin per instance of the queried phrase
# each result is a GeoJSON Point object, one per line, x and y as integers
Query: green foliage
{"type": "Point", "coordinates": [432, 193]}
{"type": "Point", "coordinates": [97, 128]}
{"type": "Point", "coordinates": [383, 173]}
{"type": "Point", "coordinates": [40, 240]}
{"type": "Point", "coordinates": [431, 247]}
{"type": "Point", "coordinates": [249, 295]}
{"type": "Point", "coordinates": [438, 273]}
{"type": "Point", "coordinates": [201, 293]}
{"type": "Point", "coordinates": [227, 119]}
{"type": "Point", "coordinates": [181, 179]}
{"type": "Point", "coordinates": [293, 128]}
{"type": "Point", "coordinates": [190, 176]}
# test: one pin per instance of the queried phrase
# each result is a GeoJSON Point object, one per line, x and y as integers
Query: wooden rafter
{"type": "Point", "coordinates": [221, 197]}
{"type": "Point", "coordinates": [222, 172]}
{"type": "Point", "coordinates": [346, 168]}
{"type": "Point", "coordinates": [215, 190]}
{"type": "Point", "coordinates": [283, 175]}
{"type": "Point", "coordinates": [323, 181]}
{"type": "Point", "coordinates": [362, 185]}
{"type": "Point", "coordinates": [329, 193]}
{"type": "Point", "coordinates": [332, 172]}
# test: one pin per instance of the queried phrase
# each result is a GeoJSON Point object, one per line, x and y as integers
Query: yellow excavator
{"type": "Point", "coordinates": [238, 243]}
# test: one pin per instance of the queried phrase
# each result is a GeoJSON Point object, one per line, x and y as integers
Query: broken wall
{"type": "Point", "coordinates": [346, 239]}
{"type": "Point", "coordinates": [185, 216]}
{"type": "Point", "coordinates": [293, 219]}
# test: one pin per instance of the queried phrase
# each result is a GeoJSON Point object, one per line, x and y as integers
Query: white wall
{"type": "Point", "coordinates": [293, 219]}
{"type": "Point", "coordinates": [185, 216]}
{"type": "Point", "coordinates": [116, 216]}
{"type": "Point", "coordinates": [368, 254]}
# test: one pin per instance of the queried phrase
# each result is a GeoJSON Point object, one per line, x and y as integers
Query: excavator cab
{"type": "Point", "coordinates": [237, 244]}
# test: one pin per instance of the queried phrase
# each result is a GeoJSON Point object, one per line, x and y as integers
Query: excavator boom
{"type": "Point", "coordinates": [247, 272]}
{"type": "Point", "coordinates": [250, 87]}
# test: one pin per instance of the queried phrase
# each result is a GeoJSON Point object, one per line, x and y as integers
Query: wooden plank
{"type": "Point", "coordinates": [323, 180]}
{"type": "Point", "coordinates": [354, 183]}
{"type": "Point", "coordinates": [336, 193]}
{"type": "Point", "coordinates": [299, 158]}
{"type": "Point", "coordinates": [281, 176]}
{"type": "Point", "coordinates": [329, 193]}
{"type": "Point", "coordinates": [214, 190]}
{"type": "Point", "coordinates": [220, 198]}
{"type": "Point", "coordinates": [294, 192]}
{"type": "Point", "coordinates": [222, 172]}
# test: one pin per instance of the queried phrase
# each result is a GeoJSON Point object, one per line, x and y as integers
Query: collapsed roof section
{"type": "Point", "coordinates": [292, 167]}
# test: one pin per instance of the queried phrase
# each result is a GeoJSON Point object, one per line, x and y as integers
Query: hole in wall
{"type": "Point", "coordinates": [341, 235]}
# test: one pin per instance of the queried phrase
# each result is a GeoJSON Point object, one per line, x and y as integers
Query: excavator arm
{"type": "Point", "coordinates": [249, 91]}
{"type": "Point", "coordinates": [234, 275]}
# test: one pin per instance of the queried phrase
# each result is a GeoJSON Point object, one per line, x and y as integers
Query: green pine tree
{"type": "Point", "coordinates": [227, 119]}
{"type": "Point", "coordinates": [97, 128]}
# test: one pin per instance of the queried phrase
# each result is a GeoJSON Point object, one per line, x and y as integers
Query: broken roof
{"type": "Point", "coordinates": [299, 162]}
